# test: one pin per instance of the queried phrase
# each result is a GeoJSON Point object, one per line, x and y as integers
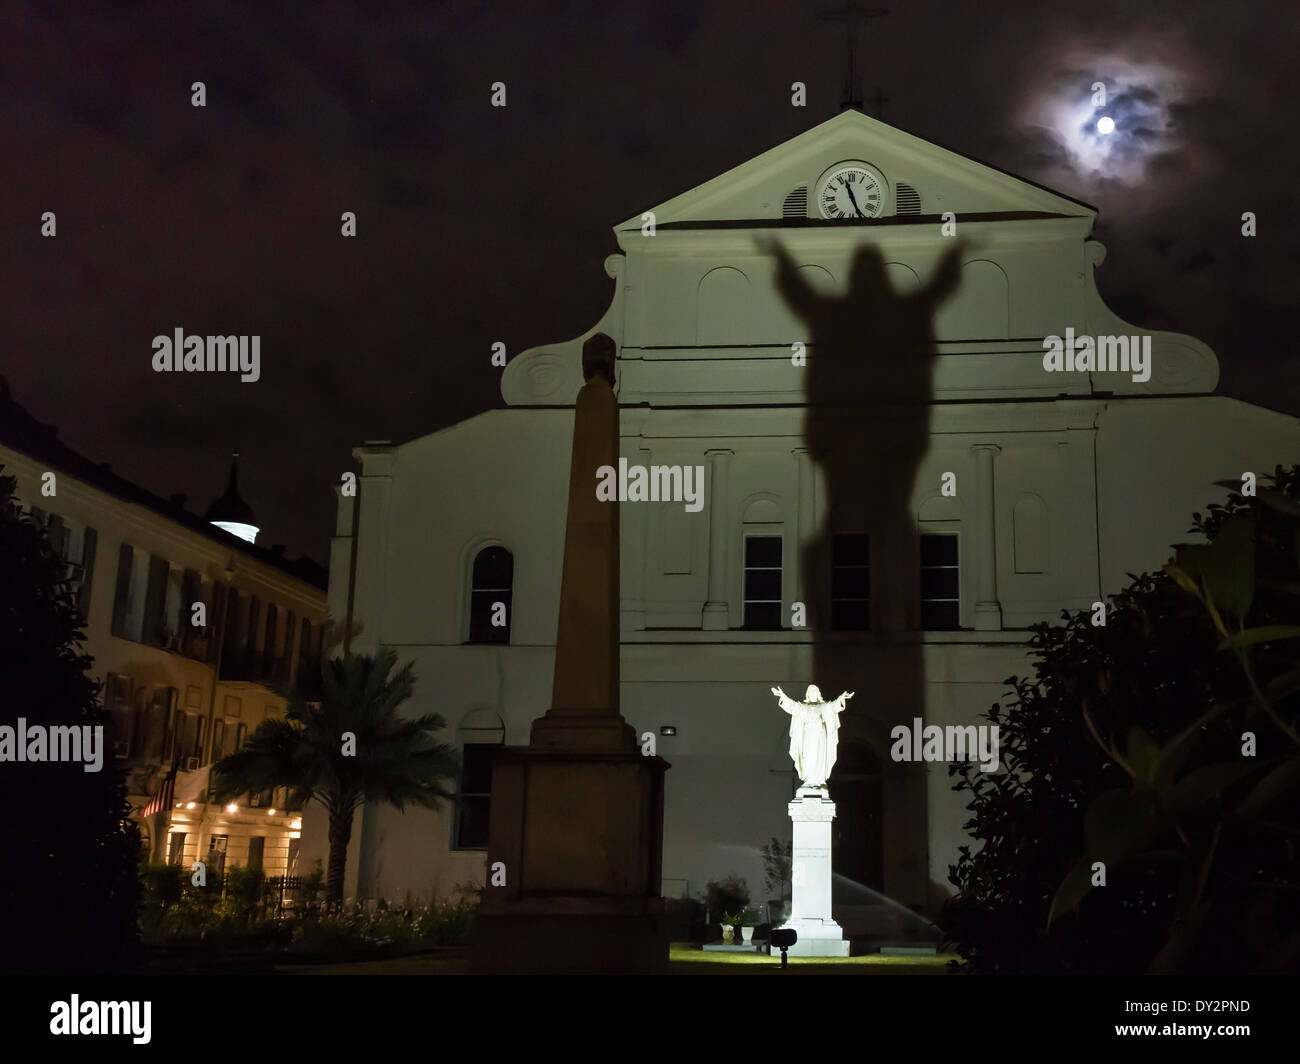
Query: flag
{"type": "Point", "coordinates": [163, 799]}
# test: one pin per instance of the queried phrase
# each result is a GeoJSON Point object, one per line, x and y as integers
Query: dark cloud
{"type": "Point", "coordinates": [477, 225]}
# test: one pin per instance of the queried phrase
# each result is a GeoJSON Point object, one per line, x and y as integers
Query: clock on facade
{"type": "Point", "coordinates": [851, 190]}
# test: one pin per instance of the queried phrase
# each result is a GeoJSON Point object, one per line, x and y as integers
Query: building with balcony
{"type": "Point", "coordinates": [197, 637]}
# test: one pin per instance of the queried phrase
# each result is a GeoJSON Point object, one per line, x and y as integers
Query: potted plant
{"type": "Point", "coordinates": [730, 921]}
{"type": "Point", "coordinates": [749, 920]}
{"type": "Point", "coordinates": [728, 897]}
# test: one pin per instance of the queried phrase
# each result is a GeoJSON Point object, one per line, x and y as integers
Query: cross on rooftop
{"type": "Point", "coordinates": [850, 14]}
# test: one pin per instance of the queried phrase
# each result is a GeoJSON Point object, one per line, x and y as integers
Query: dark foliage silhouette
{"type": "Point", "coordinates": [69, 889]}
{"type": "Point", "coordinates": [1126, 744]}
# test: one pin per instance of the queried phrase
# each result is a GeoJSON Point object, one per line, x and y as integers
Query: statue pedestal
{"type": "Point", "coordinates": [578, 835]}
{"type": "Point", "coordinates": [810, 910]}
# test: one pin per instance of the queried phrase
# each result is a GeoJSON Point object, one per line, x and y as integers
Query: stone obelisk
{"type": "Point", "coordinates": [576, 839]}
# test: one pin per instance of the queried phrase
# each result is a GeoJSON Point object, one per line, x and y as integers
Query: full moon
{"type": "Point", "coordinates": [1103, 117]}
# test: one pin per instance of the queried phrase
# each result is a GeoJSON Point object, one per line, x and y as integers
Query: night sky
{"type": "Point", "coordinates": [478, 224]}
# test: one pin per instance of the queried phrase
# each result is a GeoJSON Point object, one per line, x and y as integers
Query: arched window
{"type": "Point", "coordinates": [489, 598]}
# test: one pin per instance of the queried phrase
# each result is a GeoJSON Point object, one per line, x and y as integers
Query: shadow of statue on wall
{"type": "Point", "coordinates": [868, 386]}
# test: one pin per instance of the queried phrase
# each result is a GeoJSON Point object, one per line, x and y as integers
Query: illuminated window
{"type": "Point", "coordinates": [175, 847]}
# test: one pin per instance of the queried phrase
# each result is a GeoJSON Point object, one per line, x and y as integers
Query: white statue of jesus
{"type": "Point", "coordinates": [814, 732]}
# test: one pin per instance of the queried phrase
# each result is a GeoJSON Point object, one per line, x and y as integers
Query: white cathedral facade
{"type": "Point", "coordinates": [895, 489]}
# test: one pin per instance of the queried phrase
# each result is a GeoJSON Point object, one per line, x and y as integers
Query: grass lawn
{"type": "Point", "coordinates": [684, 958]}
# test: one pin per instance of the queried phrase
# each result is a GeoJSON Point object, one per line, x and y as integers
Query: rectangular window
{"type": "Point", "coordinates": [218, 738]}
{"type": "Point", "coordinates": [472, 819]}
{"type": "Point", "coordinates": [270, 645]}
{"type": "Point", "coordinates": [256, 847]}
{"type": "Point", "coordinates": [190, 639]}
{"type": "Point", "coordinates": [158, 731]}
{"type": "Point", "coordinates": [88, 542]}
{"type": "Point", "coordinates": [117, 695]}
{"type": "Point", "coordinates": [57, 533]}
{"type": "Point", "coordinates": [217, 845]}
{"type": "Point", "coordinates": [288, 656]}
{"type": "Point", "coordinates": [940, 600]}
{"type": "Point", "coordinates": [304, 651]}
{"type": "Point", "coordinates": [763, 582]}
{"type": "Point", "coordinates": [122, 592]}
{"type": "Point", "coordinates": [175, 847]}
{"type": "Point", "coordinates": [214, 595]}
{"type": "Point", "coordinates": [294, 846]}
{"type": "Point", "coordinates": [850, 582]}
{"type": "Point", "coordinates": [155, 602]}
{"type": "Point", "coordinates": [173, 612]}
{"type": "Point", "coordinates": [249, 646]}
{"type": "Point", "coordinates": [190, 728]}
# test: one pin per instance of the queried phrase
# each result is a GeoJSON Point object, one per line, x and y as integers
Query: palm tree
{"type": "Point", "coordinates": [388, 759]}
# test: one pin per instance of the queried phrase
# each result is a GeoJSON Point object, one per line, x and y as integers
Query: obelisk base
{"type": "Point", "coordinates": [578, 837]}
{"type": "Point", "coordinates": [819, 935]}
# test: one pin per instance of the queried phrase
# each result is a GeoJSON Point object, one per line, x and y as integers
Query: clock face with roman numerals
{"type": "Point", "coordinates": [850, 190]}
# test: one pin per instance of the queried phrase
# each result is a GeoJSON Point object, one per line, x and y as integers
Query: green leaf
{"type": "Point", "coordinates": [1181, 577]}
{"type": "Point", "coordinates": [1208, 782]}
{"type": "Point", "coordinates": [1225, 568]}
{"type": "Point", "coordinates": [1119, 822]}
{"type": "Point", "coordinates": [1142, 753]}
{"type": "Point", "coordinates": [1073, 889]}
{"type": "Point", "coordinates": [1277, 783]}
{"type": "Point", "coordinates": [1267, 633]}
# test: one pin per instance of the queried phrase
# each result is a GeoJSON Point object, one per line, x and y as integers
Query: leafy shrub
{"type": "Point", "coordinates": [1126, 746]}
{"type": "Point", "coordinates": [686, 919]}
{"type": "Point", "coordinates": [727, 895]}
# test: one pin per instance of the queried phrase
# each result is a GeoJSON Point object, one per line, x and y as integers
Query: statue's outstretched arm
{"type": "Point", "coordinates": [787, 703]}
{"type": "Point", "coordinates": [794, 289]}
{"type": "Point", "coordinates": [947, 275]}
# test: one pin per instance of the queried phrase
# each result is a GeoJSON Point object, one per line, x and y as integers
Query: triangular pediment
{"type": "Point", "coordinates": [941, 180]}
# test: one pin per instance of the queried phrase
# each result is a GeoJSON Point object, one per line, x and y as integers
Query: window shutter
{"type": "Point", "coordinates": [285, 671]}
{"type": "Point", "coordinates": [190, 637]}
{"type": "Point", "coordinates": [155, 600]}
{"type": "Point", "coordinates": [218, 738]}
{"type": "Point", "coordinates": [248, 642]}
{"type": "Point", "coordinates": [122, 594]}
{"type": "Point", "coordinates": [217, 620]}
{"type": "Point", "coordinates": [165, 697]}
{"type": "Point", "coordinates": [269, 666]}
{"type": "Point", "coordinates": [87, 573]}
{"type": "Point", "coordinates": [58, 534]}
